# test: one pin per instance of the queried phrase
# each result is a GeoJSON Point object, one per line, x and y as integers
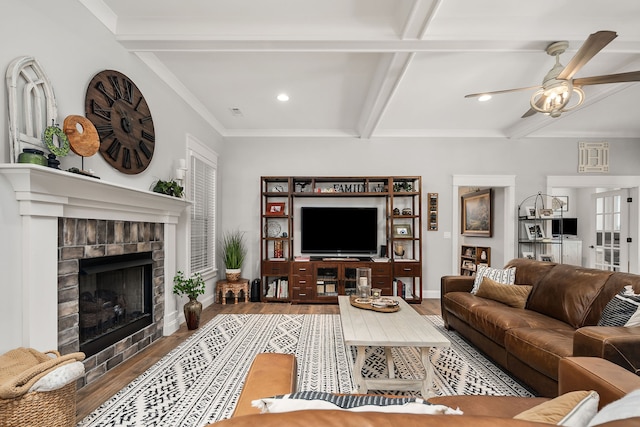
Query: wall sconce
{"type": "Point", "coordinates": [181, 169]}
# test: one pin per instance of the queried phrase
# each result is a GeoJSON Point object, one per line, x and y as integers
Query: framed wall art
{"type": "Point", "coordinates": [476, 214]}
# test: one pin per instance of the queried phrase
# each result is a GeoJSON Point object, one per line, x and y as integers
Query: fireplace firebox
{"type": "Point", "coordinates": [115, 299]}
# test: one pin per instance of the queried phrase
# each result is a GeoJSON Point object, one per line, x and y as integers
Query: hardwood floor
{"type": "Point", "coordinates": [93, 395]}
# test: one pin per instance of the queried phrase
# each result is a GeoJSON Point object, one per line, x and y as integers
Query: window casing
{"type": "Point", "coordinates": [202, 191]}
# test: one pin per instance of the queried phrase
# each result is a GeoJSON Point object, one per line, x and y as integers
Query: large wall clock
{"type": "Point", "coordinates": [121, 115]}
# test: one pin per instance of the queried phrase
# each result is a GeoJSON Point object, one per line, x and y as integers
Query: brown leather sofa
{"type": "Point", "coordinates": [558, 321]}
{"type": "Point", "coordinates": [272, 374]}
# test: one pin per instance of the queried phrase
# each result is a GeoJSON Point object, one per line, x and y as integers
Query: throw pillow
{"type": "Point", "coordinates": [511, 295]}
{"type": "Point", "coordinates": [576, 408]}
{"type": "Point", "coordinates": [501, 275]}
{"type": "Point", "coordinates": [349, 402]}
{"type": "Point", "coordinates": [622, 310]}
{"type": "Point", "coordinates": [626, 407]}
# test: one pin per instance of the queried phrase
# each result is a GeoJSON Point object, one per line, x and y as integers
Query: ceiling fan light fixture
{"type": "Point", "coordinates": [484, 98]}
{"type": "Point", "coordinates": [554, 98]}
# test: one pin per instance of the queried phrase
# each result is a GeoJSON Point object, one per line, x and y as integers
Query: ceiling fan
{"type": "Point", "coordinates": [558, 86]}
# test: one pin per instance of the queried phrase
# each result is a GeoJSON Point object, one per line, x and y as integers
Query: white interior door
{"type": "Point", "coordinates": [609, 249]}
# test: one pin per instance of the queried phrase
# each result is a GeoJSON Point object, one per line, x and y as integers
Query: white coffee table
{"type": "Point", "coordinates": [405, 328]}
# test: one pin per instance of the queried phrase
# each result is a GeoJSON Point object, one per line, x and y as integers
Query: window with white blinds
{"type": "Point", "coordinates": [203, 231]}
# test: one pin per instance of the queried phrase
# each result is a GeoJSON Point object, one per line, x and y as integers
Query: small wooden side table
{"type": "Point", "coordinates": [224, 286]}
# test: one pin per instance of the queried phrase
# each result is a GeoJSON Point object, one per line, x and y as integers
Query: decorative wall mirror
{"type": "Point", "coordinates": [32, 105]}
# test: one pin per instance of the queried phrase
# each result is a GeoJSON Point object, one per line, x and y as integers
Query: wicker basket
{"type": "Point", "coordinates": [56, 408]}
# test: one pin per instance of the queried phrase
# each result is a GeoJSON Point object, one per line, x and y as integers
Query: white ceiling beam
{"type": "Point", "coordinates": [174, 83]}
{"type": "Point", "coordinates": [385, 83]}
{"type": "Point", "coordinates": [419, 18]}
{"type": "Point", "coordinates": [392, 69]}
{"type": "Point", "coordinates": [194, 43]}
{"type": "Point", "coordinates": [103, 12]}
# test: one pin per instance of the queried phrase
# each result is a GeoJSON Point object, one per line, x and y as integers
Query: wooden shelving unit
{"type": "Point", "coordinates": [319, 281]}
{"type": "Point", "coordinates": [473, 256]}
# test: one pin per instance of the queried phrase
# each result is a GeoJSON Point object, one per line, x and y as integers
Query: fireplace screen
{"type": "Point", "coordinates": [114, 299]}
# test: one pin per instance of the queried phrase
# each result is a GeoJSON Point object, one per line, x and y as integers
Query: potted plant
{"type": "Point", "coordinates": [233, 253]}
{"type": "Point", "coordinates": [191, 287]}
{"type": "Point", "coordinates": [170, 188]}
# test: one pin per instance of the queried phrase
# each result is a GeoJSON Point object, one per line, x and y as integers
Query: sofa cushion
{"type": "Point", "coordinates": [501, 275]}
{"type": "Point", "coordinates": [541, 349]}
{"type": "Point", "coordinates": [567, 292]}
{"type": "Point", "coordinates": [306, 400]}
{"type": "Point", "coordinates": [511, 295]}
{"type": "Point", "coordinates": [496, 319]}
{"type": "Point", "coordinates": [622, 310]}
{"type": "Point", "coordinates": [576, 408]}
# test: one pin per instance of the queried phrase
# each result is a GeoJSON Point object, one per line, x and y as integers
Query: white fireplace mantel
{"type": "Point", "coordinates": [44, 195]}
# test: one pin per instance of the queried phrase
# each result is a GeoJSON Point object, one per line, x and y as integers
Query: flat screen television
{"type": "Point", "coordinates": [569, 226]}
{"type": "Point", "coordinates": [339, 230]}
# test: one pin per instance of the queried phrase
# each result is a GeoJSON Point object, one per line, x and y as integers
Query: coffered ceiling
{"type": "Point", "coordinates": [372, 68]}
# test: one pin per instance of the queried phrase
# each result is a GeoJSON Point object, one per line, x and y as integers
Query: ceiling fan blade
{"type": "Point", "coordinates": [594, 44]}
{"type": "Point", "coordinates": [498, 92]}
{"type": "Point", "coordinates": [633, 76]}
{"type": "Point", "coordinates": [529, 113]}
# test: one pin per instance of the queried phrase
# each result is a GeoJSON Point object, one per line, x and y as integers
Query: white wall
{"type": "Point", "coordinates": [436, 160]}
{"type": "Point", "coordinates": [72, 46]}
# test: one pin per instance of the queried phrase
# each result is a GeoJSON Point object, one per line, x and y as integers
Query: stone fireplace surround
{"type": "Point", "coordinates": [58, 212]}
{"type": "Point", "coordinates": [92, 238]}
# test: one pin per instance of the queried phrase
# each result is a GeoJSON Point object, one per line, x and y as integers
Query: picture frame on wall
{"type": "Point", "coordinates": [476, 214]}
{"type": "Point", "coordinates": [275, 209]}
{"type": "Point", "coordinates": [402, 230]}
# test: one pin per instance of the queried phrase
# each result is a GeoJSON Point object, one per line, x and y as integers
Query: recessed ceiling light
{"type": "Point", "coordinates": [283, 97]}
{"type": "Point", "coordinates": [484, 98]}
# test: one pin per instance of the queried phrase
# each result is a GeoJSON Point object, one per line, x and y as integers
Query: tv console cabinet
{"type": "Point", "coordinates": [288, 277]}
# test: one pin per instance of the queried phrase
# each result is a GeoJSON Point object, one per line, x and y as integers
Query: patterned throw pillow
{"type": "Point", "coordinates": [304, 400]}
{"type": "Point", "coordinates": [622, 310]}
{"type": "Point", "coordinates": [506, 276]}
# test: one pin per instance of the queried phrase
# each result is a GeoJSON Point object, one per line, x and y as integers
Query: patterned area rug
{"type": "Point", "coordinates": [199, 381]}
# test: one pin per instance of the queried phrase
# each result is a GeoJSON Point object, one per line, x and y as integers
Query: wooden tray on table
{"type": "Point", "coordinates": [366, 304]}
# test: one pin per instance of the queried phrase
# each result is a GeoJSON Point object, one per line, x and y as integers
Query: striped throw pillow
{"type": "Point", "coordinates": [622, 310]}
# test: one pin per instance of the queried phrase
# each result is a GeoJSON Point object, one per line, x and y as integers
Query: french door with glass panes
{"type": "Point", "coordinates": [609, 249]}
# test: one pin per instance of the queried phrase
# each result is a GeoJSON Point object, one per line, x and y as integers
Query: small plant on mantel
{"type": "Point", "coordinates": [170, 188]}
{"type": "Point", "coordinates": [191, 287]}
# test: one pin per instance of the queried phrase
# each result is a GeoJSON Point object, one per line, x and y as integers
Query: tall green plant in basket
{"type": "Point", "coordinates": [234, 252]}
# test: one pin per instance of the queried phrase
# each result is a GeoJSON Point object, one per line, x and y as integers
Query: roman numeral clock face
{"type": "Point", "coordinates": [121, 115]}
